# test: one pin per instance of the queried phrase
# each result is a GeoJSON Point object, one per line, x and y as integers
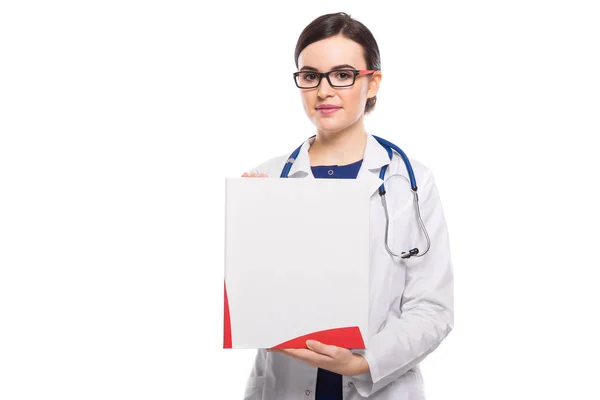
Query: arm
{"type": "Point", "coordinates": [426, 314]}
{"type": "Point", "coordinates": [256, 380]}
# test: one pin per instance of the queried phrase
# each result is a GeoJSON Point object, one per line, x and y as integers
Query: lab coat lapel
{"type": "Point", "coordinates": [301, 166]}
{"type": "Point", "coordinates": [375, 157]}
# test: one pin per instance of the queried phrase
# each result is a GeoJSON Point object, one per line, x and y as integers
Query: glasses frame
{"type": "Point", "coordinates": [356, 72]}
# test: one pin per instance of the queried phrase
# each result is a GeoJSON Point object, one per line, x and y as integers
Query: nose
{"type": "Point", "coordinates": [324, 89]}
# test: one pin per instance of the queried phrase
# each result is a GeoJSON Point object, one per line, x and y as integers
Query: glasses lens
{"type": "Point", "coordinates": [307, 79]}
{"type": "Point", "coordinates": [342, 77]}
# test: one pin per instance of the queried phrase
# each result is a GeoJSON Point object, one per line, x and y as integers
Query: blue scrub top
{"type": "Point", "coordinates": [329, 384]}
{"type": "Point", "coordinates": [349, 171]}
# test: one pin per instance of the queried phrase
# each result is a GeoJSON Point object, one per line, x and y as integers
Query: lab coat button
{"type": "Point", "coordinates": [307, 393]}
{"type": "Point", "coordinates": [351, 384]}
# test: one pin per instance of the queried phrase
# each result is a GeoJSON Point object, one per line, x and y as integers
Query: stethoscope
{"type": "Point", "coordinates": [389, 147]}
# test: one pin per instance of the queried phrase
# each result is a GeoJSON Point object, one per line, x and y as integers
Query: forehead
{"type": "Point", "coordinates": [332, 51]}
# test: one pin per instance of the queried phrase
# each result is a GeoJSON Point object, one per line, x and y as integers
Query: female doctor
{"type": "Point", "coordinates": [411, 299]}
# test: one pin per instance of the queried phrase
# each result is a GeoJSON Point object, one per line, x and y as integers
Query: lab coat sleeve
{"type": "Point", "coordinates": [425, 315]}
{"type": "Point", "coordinates": [265, 168]}
{"type": "Point", "coordinates": [256, 380]}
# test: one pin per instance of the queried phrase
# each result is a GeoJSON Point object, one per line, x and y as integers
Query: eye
{"type": "Point", "coordinates": [343, 75]}
{"type": "Point", "coordinates": [308, 76]}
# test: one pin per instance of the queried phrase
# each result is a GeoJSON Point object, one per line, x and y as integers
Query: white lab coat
{"type": "Point", "coordinates": [411, 307]}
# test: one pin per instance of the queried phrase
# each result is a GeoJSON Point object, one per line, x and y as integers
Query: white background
{"type": "Point", "coordinates": [120, 120]}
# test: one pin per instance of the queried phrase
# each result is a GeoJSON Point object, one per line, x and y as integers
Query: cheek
{"type": "Point", "coordinates": [306, 101]}
{"type": "Point", "coordinates": [309, 102]}
{"type": "Point", "coordinates": [355, 99]}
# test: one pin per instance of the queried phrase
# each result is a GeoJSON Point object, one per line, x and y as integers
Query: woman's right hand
{"type": "Point", "coordinates": [254, 175]}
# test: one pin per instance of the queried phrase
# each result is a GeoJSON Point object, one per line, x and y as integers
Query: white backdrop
{"type": "Point", "coordinates": [120, 120]}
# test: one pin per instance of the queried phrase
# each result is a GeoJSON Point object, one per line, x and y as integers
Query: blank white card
{"type": "Point", "coordinates": [296, 262]}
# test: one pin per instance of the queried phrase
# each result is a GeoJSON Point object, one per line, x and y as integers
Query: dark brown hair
{"type": "Point", "coordinates": [329, 25]}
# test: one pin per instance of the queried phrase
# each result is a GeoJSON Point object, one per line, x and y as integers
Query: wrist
{"type": "Point", "coordinates": [362, 365]}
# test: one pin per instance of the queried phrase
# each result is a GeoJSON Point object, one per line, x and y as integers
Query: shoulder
{"type": "Point", "coordinates": [423, 173]}
{"type": "Point", "coordinates": [272, 166]}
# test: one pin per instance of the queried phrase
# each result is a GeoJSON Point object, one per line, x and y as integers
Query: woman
{"type": "Point", "coordinates": [411, 299]}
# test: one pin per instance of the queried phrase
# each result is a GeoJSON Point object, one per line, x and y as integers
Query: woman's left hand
{"type": "Point", "coordinates": [332, 358]}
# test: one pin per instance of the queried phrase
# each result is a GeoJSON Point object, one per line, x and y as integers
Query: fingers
{"type": "Point", "coordinates": [337, 364]}
{"type": "Point", "coordinates": [331, 351]}
{"type": "Point", "coordinates": [254, 174]}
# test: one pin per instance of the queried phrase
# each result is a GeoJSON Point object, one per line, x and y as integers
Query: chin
{"type": "Point", "coordinates": [330, 128]}
{"type": "Point", "coordinates": [329, 123]}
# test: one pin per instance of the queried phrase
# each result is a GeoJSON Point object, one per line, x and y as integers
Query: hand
{"type": "Point", "coordinates": [333, 358]}
{"type": "Point", "coordinates": [254, 175]}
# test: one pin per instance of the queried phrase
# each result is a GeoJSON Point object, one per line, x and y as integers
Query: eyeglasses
{"type": "Point", "coordinates": [340, 77]}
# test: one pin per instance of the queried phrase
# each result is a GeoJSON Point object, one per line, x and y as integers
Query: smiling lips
{"type": "Point", "coordinates": [327, 108]}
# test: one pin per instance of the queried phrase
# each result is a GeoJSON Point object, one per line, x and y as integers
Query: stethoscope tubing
{"type": "Point", "coordinates": [389, 147]}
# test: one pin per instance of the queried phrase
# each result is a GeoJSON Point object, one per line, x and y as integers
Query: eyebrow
{"type": "Point", "coordinates": [342, 66]}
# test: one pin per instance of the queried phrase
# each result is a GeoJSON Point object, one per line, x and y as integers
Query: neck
{"type": "Point", "coordinates": [339, 148]}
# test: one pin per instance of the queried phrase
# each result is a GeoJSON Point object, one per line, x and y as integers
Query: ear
{"type": "Point", "coordinates": [374, 84]}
